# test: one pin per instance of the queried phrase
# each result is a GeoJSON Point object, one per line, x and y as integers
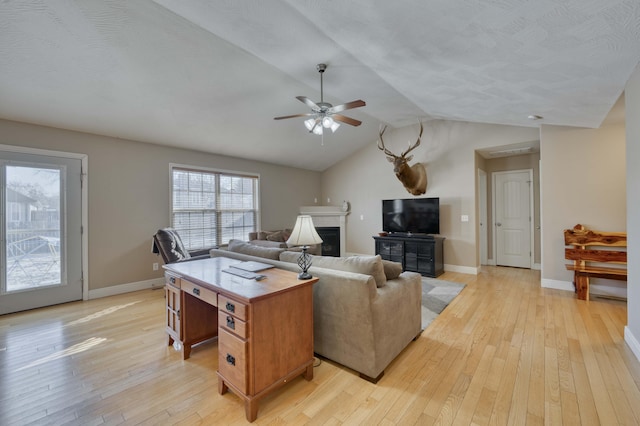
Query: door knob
{"type": "Point", "coordinates": [498, 224]}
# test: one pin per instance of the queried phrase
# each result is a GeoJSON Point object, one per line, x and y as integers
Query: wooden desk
{"type": "Point", "coordinates": [264, 328]}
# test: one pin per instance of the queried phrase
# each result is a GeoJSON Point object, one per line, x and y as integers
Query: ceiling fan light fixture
{"type": "Point", "coordinates": [310, 123]}
{"type": "Point", "coordinates": [322, 112]}
{"type": "Point", "coordinates": [330, 123]}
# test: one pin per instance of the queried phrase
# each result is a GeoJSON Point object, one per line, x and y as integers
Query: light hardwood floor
{"type": "Point", "coordinates": [504, 352]}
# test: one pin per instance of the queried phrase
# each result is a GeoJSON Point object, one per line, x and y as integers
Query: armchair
{"type": "Point", "coordinates": [168, 244]}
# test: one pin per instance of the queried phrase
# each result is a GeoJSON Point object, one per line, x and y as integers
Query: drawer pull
{"type": "Point", "coordinates": [231, 360]}
{"type": "Point", "coordinates": [230, 307]}
{"type": "Point", "coordinates": [196, 291]}
{"type": "Point", "coordinates": [231, 323]}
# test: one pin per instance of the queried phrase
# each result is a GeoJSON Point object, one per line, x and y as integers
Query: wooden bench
{"type": "Point", "coordinates": [610, 249]}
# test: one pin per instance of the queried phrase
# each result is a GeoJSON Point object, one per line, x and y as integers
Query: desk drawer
{"type": "Point", "coordinates": [171, 280]}
{"type": "Point", "coordinates": [232, 307]}
{"type": "Point", "coordinates": [204, 294]}
{"type": "Point", "coordinates": [233, 324]}
{"type": "Point", "coordinates": [232, 359]}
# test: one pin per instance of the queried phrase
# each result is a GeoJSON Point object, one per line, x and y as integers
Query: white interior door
{"type": "Point", "coordinates": [482, 210]}
{"type": "Point", "coordinates": [513, 218]}
{"type": "Point", "coordinates": [41, 231]}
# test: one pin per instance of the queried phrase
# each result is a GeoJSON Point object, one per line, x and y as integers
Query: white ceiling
{"type": "Point", "coordinates": [211, 75]}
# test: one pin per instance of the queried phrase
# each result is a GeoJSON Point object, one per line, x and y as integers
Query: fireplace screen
{"type": "Point", "coordinates": [330, 240]}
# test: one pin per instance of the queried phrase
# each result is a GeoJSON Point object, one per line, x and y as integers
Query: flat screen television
{"type": "Point", "coordinates": [411, 216]}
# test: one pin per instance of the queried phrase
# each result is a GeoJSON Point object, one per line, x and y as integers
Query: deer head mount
{"type": "Point", "coordinates": [414, 178]}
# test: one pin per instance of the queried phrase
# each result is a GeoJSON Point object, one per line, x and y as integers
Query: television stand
{"type": "Point", "coordinates": [422, 253]}
{"type": "Point", "coordinates": [410, 235]}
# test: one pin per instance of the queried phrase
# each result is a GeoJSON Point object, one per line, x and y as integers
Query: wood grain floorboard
{"type": "Point", "coordinates": [505, 351]}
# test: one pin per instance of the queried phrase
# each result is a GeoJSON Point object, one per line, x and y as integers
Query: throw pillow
{"type": "Point", "coordinates": [275, 236]}
{"type": "Point", "coordinates": [243, 247]}
{"type": "Point", "coordinates": [392, 270]}
{"type": "Point", "coordinates": [368, 265]}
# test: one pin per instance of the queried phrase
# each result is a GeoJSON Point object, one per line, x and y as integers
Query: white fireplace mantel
{"type": "Point", "coordinates": [329, 216]}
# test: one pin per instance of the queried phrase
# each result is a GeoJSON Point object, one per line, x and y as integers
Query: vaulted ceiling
{"type": "Point", "coordinates": [211, 75]}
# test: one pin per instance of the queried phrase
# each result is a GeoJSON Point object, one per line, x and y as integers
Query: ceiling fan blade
{"type": "Point", "coordinates": [308, 102]}
{"type": "Point", "coordinates": [292, 116]}
{"type": "Point", "coordinates": [346, 119]}
{"type": "Point", "coordinates": [348, 105]}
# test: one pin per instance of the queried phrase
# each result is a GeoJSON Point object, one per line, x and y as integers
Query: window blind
{"type": "Point", "coordinates": [210, 208]}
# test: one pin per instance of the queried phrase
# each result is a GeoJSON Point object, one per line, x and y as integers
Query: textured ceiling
{"type": "Point", "coordinates": [211, 75]}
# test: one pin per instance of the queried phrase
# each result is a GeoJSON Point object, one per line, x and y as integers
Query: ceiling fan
{"type": "Point", "coordinates": [323, 114]}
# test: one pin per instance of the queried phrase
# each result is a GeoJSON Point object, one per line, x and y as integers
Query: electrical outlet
{"type": "Point", "coordinates": [464, 218]}
{"type": "Point", "coordinates": [155, 266]}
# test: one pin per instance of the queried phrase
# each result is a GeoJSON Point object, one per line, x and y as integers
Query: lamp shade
{"type": "Point", "coordinates": [304, 233]}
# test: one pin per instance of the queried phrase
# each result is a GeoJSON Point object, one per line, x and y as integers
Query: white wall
{"type": "Point", "coordinates": [632, 97]}
{"type": "Point", "coordinates": [582, 181]}
{"type": "Point", "coordinates": [448, 149]}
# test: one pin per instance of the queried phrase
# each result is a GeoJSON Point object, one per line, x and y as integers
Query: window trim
{"type": "Point", "coordinates": [227, 172]}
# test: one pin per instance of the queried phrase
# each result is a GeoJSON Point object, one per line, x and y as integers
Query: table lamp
{"type": "Point", "coordinates": [304, 234]}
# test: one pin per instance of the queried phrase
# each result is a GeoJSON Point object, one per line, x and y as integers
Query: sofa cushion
{"type": "Point", "coordinates": [267, 243]}
{"type": "Point", "coordinates": [244, 247]}
{"type": "Point", "coordinates": [279, 236]}
{"type": "Point", "coordinates": [368, 265]}
{"type": "Point", "coordinates": [275, 236]}
{"type": "Point", "coordinates": [392, 270]}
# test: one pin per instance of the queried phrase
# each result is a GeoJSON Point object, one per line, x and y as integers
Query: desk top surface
{"type": "Point", "coordinates": [208, 273]}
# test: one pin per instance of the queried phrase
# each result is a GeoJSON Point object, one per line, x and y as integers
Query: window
{"type": "Point", "coordinates": [210, 208]}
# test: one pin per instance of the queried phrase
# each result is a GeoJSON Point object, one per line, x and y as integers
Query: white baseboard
{"type": "Point", "coordinates": [462, 269]}
{"type": "Point", "coordinates": [125, 288]}
{"type": "Point", "coordinates": [632, 342]}
{"type": "Point", "coordinates": [608, 291]}
{"type": "Point", "coordinates": [536, 266]}
{"type": "Point", "coordinates": [557, 284]}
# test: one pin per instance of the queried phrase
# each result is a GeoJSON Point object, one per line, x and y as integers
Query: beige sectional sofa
{"type": "Point", "coordinates": [279, 239]}
{"type": "Point", "coordinates": [366, 311]}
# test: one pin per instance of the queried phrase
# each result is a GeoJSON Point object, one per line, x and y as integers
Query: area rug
{"type": "Point", "coordinates": [436, 295]}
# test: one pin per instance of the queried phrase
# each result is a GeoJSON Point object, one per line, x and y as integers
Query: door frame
{"type": "Point", "coordinates": [84, 159]}
{"type": "Point", "coordinates": [483, 217]}
{"type": "Point", "coordinates": [531, 213]}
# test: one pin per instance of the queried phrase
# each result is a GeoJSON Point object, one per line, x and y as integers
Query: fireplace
{"type": "Point", "coordinates": [333, 218]}
{"type": "Point", "coordinates": [330, 240]}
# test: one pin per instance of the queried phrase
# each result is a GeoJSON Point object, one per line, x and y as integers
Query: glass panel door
{"type": "Point", "coordinates": [32, 227]}
{"type": "Point", "coordinates": [41, 248]}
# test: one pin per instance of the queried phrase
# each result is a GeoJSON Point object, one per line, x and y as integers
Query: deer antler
{"type": "Point", "coordinates": [411, 148]}
{"type": "Point", "coordinates": [381, 146]}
